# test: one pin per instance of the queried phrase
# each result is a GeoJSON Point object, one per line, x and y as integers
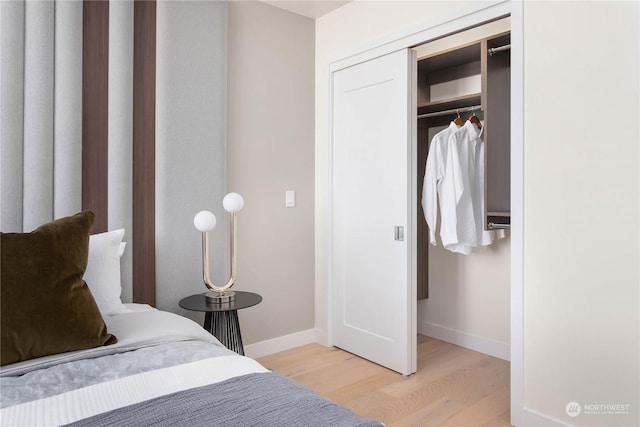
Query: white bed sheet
{"type": "Point", "coordinates": [132, 306]}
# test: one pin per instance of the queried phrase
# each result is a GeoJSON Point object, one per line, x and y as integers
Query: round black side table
{"type": "Point", "coordinates": [221, 320]}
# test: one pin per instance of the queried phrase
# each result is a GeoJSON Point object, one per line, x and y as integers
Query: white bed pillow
{"type": "Point", "coordinates": [103, 270]}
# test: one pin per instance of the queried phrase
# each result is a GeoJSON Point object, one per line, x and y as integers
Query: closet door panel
{"type": "Point", "coordinates": [372, 287]}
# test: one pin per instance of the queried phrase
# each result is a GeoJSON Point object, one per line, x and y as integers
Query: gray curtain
{"type": "Point", "coordinates": [41, 116]}
{"type": "Point", "coordinates": [41, 112]}
{"type": "Point", "coordinates": [41, 128]}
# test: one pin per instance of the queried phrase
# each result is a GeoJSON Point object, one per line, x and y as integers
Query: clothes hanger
{"type": "Point", "coordinates": [458, 121]}
{"type": "Point", "coordinates": [475, 120]}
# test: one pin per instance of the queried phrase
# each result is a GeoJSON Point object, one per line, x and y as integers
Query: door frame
{"type": "Point", "coordinates": [520, 415]}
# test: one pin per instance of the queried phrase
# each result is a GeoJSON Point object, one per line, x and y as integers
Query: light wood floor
{"type": "Point", "coordinates": [453, 387]}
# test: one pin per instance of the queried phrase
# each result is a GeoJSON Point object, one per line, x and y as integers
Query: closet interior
{"type": "Point", "coordinates": [459, 76]}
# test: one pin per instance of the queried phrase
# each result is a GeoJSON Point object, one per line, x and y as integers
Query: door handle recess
{"type": "Point", "coordinates": [398, 233]}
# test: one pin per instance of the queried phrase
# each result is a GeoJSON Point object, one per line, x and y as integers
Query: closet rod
{"type": "Point", "coordinates": [494, 226]}
{"type": "Point", "coordinates": [493, 50]}
{"type": "Point", "coordinates": [452, 111]}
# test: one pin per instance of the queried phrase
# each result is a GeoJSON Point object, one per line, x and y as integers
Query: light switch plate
{"type": "Point", "coordinates": [290, 199]}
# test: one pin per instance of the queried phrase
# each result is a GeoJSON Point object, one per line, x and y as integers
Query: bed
{"type": "Point", "coordinates": [74, 354]}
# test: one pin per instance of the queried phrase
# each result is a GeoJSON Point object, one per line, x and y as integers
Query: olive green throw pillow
{"type": "Point", "coordinates": [46, 307]}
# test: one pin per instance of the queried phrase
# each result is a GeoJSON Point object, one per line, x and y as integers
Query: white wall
{"type": "Point", "coordinates": [581, 190]}
{"type": "Point", "coordinates": [581, 295]}
{"type": "Point", "coordinates": [469, 295]}
{"type": "Point", "coordinates": [235, 113]}
{"type": "Point", "coordinates": [469, 298]}
{"type": "Point", "coordinates": [270, 150]}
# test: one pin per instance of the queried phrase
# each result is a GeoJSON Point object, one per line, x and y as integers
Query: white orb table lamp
{"type": "Point", "coordinates": [205, 221]}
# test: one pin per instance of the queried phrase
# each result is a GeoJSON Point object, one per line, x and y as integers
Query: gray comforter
{"type": "Point", "coordinates": [265, 399]}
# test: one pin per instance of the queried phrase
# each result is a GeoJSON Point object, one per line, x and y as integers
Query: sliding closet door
{"type": "Point", "coordinates": [373, 287]}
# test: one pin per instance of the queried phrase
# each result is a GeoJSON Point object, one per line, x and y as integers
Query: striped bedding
{"type": "Point", "coordinates": [165, 368]}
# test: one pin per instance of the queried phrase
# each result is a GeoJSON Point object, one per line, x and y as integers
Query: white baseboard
{"type": "Point", "coordinates": [488, 346]}
{"type": "Point", "coordinates": [274, 345]}
{"type": "Point", "coordinates": [535, 419]}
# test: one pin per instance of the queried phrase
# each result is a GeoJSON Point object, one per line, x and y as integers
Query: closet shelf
{"type": "Point", "coordinates": [503, 214]}
{"type": "Point", "coordinates": [450, 103]}
{"type": "Point", "coordinates": [497, 220]}
{"type": "Point", "coordinates": [451, 57]}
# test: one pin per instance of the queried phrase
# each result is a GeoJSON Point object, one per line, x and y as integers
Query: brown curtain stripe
{"type": "Point", "coordinates": [95, 87]}
{"type": "Point", "coordinates": [144, 125]}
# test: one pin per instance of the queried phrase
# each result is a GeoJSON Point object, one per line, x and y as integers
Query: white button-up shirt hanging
{"type": "Point", "coordinates": [455, 171]}
{"type": "Point", "coordinates": [434, 175]}
{"type": "Point", "coordinates": [461, 233]}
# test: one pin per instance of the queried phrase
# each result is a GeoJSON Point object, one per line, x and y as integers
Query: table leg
{"type": "Point", "coordinates": [225, 326]}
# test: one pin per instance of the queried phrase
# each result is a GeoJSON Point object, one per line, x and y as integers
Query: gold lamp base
{"type": "Point", "coordinates": [220, 297]}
